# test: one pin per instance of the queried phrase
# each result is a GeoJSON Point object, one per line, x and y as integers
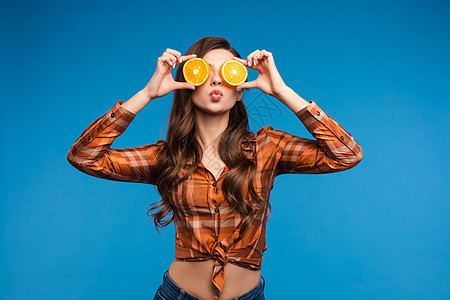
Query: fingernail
{"type": "Point", "coordinates": [239, 90]}
{"type": "Point", "coordinates": [180, 60]}
{"type": "Point", "coordinates": [254, 62]}
{"type": "Point", "coordinates": [249, 63]}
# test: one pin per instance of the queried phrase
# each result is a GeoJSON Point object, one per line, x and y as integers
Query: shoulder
{"type": "Point", "coordinates": [161, 144]}
{"type": "Point", "coordinates": [265, 138]}
{"type": "Point", "coordinates": [269, 134]}
{"type": "Point", "coordinates": [151, 149]}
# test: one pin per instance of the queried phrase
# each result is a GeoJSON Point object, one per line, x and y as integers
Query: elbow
{"type": "Point", "coordinates": [332, 165]}
{"type": "Point", "coordinates": [76, 159]}
{"type": "Point", "coordinates": [72, 159]}
{"type": "Point", "coordinates": [73, 156]}
{"type": "Point", "coordinates": [84, 165]}
{"type": "Point", "coordinates": [348, 162]}
{"type": "Point", "coordinates": [358, 157]}
{"type": "Point", "coordinates": [353, 160]}
{"type": "Point", "coordinates": [70, 156]}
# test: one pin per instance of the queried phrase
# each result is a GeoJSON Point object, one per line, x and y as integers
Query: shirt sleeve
{"type": "Point", "coordinates": [91, 152]}
{"type": "Point", "coordinates": [333, 149]}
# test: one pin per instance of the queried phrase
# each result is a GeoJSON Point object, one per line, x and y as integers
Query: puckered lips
{"type": "Point", "coordinates": [215, 95]}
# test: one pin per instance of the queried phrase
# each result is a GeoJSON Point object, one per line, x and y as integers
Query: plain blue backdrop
{"type": "Point", "coordinates": [380, 68]}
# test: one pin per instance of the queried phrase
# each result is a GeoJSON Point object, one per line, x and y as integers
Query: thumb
{"type": "Point", "coordinates": [247, 85]}
{"type": "Point", "coordinates": [183, 85]}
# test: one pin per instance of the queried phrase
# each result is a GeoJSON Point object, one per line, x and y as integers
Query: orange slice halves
{"type": "Point", "coordinates": [196, 71]}
{"type": "Point", "coordinates": [233, 72]}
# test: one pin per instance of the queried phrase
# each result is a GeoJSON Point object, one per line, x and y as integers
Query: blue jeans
{"type": "Point", "coordinates": [169, 290]}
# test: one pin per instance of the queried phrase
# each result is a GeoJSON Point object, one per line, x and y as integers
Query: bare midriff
{"type": "Point", "coordinates": [196, 279]}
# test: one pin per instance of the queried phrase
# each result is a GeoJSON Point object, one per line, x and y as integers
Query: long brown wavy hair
{"type": "Point", "coordinates": [182, 146]}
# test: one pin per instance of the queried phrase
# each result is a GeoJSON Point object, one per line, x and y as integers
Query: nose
{"type": "Point", "coordinates": [215, 78]}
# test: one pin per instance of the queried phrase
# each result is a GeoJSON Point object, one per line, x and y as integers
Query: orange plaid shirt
{"type": "Point", "coordinates": [207, 229]}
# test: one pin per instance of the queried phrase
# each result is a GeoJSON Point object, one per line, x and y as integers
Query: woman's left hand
{"type": "Point", "coordinates": [269, 80]}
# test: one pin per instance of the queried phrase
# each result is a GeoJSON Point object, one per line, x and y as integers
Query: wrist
{"type": "Point", "coordinates": [283, 92]}
{"type": "Point", "coordinates": [144, 93]}
{"type": "Point", "coordinates": [291, 99]}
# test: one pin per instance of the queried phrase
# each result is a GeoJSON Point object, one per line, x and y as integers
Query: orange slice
{"type": "Point", "coordinates": [196, 71]}
{"type": "Point", "coordinates": [233, 72]}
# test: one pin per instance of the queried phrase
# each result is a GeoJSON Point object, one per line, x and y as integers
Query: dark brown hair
{"type": "Point", "coordinates": [182, 146]}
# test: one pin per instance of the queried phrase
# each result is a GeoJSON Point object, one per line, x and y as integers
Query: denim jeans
{"type": "Point", "coordinates": [169, 290]}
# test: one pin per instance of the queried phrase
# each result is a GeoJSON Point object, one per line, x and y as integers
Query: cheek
{"type": "Point", "coordinates": [233, 94]}
{"type": "Point", "coordinates": [202, 89]}
{"type": "Point", "coordinates": [198, 93]}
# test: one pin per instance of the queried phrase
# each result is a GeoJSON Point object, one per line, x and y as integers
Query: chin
{"type": "Point", "coordinates": [213, 110]}
{"type": "Point", "coordinates": [210, 111]}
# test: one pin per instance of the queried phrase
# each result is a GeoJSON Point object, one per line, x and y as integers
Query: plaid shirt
{"type": "Point", "coordinates": [207, 229]}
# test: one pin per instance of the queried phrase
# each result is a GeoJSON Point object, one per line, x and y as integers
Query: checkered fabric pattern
{"type": "Point", "coordinates": [207, 229]}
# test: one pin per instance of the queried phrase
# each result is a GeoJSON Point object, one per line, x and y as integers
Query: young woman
{"type": "Point", "coordinates": [213, 174]}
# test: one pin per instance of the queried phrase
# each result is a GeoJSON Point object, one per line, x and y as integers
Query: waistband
{"type": "Point", "coordinates": [172, 288]}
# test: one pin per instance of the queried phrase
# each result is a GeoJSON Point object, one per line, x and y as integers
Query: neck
{"type": "Point", "coordinates": [209, 127]}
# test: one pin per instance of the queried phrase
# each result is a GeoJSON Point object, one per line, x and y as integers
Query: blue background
{"type": "Point", "coordinates": [380, 68]}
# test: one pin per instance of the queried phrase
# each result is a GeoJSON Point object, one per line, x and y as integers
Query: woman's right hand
{"type": "Point", "coordinates": [162, 81]}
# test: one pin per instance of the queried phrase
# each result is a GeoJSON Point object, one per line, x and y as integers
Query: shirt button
{"type": "Point", "coordinates": [113, 115]}
{"type": "Point", "coordinates": [342, 138]}
{"type": "Point", "coordinates": [216, 210]}
{"type": "Point", "coordinates": [214, 184]}
{"type": "Point", "coordinates": [318, 113]}
{"type": "Point", "coordinates": [89, 138]}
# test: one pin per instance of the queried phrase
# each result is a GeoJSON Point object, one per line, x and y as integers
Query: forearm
{"type": "Point", "coordinates": [99, 135]}
{"type": "Point", "coordinates": [92, 154]}
{"type": "Point", "coordinates": [136, 103]}
{"type": "Point", "coordinates": [291, 99]}
{"type": "Point", "coordinates": [336, 143]}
